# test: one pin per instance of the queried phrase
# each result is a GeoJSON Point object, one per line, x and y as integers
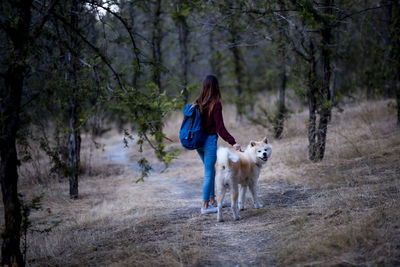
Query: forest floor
{"type": "Point", "coordinates": [344, 210]}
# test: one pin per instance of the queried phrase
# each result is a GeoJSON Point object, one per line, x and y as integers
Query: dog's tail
{"type": "Point", "coordinates": [224, 155]}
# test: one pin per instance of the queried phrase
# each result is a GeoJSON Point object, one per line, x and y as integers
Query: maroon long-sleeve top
{"type": "Point", "coordinates": [214, 123]}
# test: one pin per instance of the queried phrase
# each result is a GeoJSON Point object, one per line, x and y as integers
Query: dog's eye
{"type": "Point", "coordinates": [259, 151]}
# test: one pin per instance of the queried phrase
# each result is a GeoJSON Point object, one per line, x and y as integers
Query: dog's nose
{"type": "Point", "coordinates": [264, 154]}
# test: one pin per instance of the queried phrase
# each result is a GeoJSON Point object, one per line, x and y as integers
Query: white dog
{"type": "Point", "coordinates": [239, 170]}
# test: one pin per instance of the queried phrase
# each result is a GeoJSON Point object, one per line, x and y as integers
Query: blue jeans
{"type": "Point", "coordinates": [208, 154]}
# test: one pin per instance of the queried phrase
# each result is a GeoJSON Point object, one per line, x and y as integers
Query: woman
{"type": "Point", "coordinates": [211, 112]}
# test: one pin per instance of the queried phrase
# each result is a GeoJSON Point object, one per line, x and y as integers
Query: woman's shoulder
{"type": "Point", "coordinates": [217, 109]}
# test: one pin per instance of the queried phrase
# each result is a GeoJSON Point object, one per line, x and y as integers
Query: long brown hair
{"type": "Point", "coordinates": [209, 94]}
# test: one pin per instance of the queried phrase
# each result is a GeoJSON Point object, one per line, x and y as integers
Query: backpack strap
{"type": "Point", "coordinates": [193, 118]}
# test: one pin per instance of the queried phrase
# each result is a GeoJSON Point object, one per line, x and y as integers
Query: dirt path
{"type": "Point", "coordinates": [232, 243]}
{"type": "Point", "coordinates": [121, 155]}
{"type": "Point", "coordinates": [350, 217]}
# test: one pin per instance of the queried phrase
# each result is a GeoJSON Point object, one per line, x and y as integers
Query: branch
{"type": "Point", "coordinates": [360, 12]}
{"type": "Point", "coordinates": [35, 96]}
{"type": "Point", "coordinates": [301, 54]}
{"type": "Point", "coordinates": [124, 23]}
{"type": "Point", "coordinates": [45, 17]}
{"type": "Point", "coordinates": [297, 51]}
{"type": "Point", "coordinates": [259, 12]}
{"type": "Point", "coordinates": [93, 47]}
{"type": "Point", "coordinates": [148, 141]}
{"type": "Point", "coordinates": [284, 18]}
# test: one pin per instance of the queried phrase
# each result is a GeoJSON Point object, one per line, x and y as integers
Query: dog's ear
{"type": "Point", "coordinates": [252, 143]}
{"type": "Point", "coordinates": [265, 140]}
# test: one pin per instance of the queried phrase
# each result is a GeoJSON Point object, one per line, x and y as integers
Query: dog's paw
{"type": "Point", "coordinates": [258, 206]}
{"type": "Point", "coordinates": [242, 207]}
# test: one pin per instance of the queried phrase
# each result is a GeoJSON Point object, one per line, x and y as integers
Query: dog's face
{"type": "Point", "coordinates": [262, 150]}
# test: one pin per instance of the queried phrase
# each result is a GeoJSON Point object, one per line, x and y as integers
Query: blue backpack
{"type": "Point", "coordinates": [191, 134]}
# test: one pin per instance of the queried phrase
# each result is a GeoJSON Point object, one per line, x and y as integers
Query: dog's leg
{"type": "Point", "coordinates": [220, 198]}
{"type": "Point", "coordinates": [253, 190]}
{"type": "Point", "coordinates": [224, 188]}
{"type": "Point", "coordinates": [242, 196]}
{"type": "Point", "coordinates": [219, 182]}
{"type": "Point", "coordinates": [234, 204]}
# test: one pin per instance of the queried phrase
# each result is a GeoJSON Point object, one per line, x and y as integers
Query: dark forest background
{"type": "Point", "coordinates": [77, 67]}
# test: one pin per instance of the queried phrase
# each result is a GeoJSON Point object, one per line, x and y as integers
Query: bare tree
{"type": "Point", "coordinates": [282, 43]}
{"type": "Point", "coordinates": [233, 27]}
{"type": "Point", "coordinates": [325, 108]}
{"type": "Point", "coordinates": [312, 99]}
{"type": "Point", "coordinates": [305, 49]}
{"type": "Point", "coordinates": [74, 140]}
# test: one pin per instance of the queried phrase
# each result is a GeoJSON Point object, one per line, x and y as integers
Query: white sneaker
{"type": "Point", "coordinates": [209, 209]}
{"type": "Point", "coordinates": [224, 204]}
{"type": "Point", "coordinates": [213, 205]}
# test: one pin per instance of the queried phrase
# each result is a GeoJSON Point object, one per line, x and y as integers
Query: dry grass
{"type": "Point", "coordinates": [341, 211]}
{"type": "Point", "coordinates": [353, 218]}
{"type": "Point", "coordinates": [37, 169]}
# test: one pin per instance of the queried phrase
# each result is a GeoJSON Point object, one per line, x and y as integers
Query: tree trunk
{"type": "Point", "coordinates": [237, 62]}
{"type": "Point", "coordinates": [325, 95]}
{"type": "Point", "coordinates": [157, 59]}
{"type": "Point", "coordinates": [136, 72]}
{"type": "Point", "coordinates": [233, 29]}
{"type": "Point", "coordinates": [282, 89]}
{"type": "Point", "coordinates": [183, 45]}
{"type": "Point", "coordinates": [214, 55]}
{"type": "Point", "coordinates": [333, 95]}
{"type": "Point", "coordinates": [389, 55]}
{"type": "Point", "coordinates": [398, 102]}
{"type": "Point", "coordinates": [322, 131]}
{"type": "Point", "coordinates": [74, 143]}
{"type": "Point", "coordinates": [395, 36]}
{"type": "Point", "coordinates": [281, 112]}
{"type": "Point", "coordinates": [238, 70]}
{"type": "Point", "coordinates": [332, 86]}
{"type": "Point", "coordinates": [74, 140]}
{"type": "Point", "coordinates": [312, 104]}
{"type": "Point", "coordinates": [156, 46]}
{"type": "Point", "coordinates": [10, 101]}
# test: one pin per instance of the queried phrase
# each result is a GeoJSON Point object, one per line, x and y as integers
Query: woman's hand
{"type": "Point", "coordinates": [237, 146]}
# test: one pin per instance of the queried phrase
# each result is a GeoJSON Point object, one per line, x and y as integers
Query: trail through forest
{"type": "Point", "coordinates": [231, 243]}
{"type": "Point", "coordinates": [119, 154]}
{"type": "Point", "coordinates": [341, 211]}
{"type": "Point", "coordinates": [318, 78]}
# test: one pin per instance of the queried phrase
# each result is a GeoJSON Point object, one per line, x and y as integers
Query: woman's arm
{"type": "Point", "coordinates": [219, 123]}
